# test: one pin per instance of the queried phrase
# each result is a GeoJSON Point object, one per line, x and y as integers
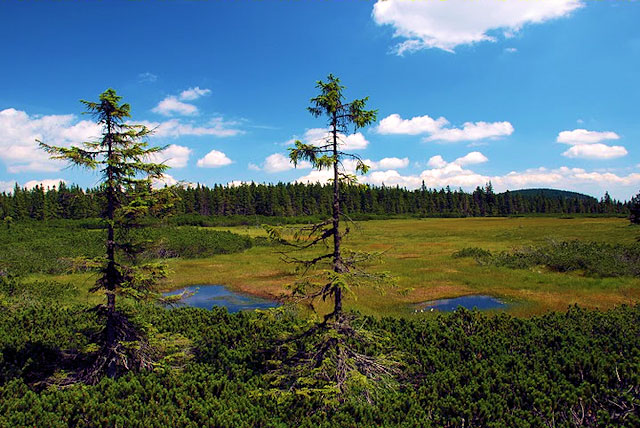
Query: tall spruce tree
{"type": "Point", "coordinates": [329, 155]}
{"type": "Point", "coordinates": [121, 156]}
{"type": "Point", "coordinates": [329, 351]}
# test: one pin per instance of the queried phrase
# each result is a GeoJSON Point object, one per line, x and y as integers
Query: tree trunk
{"type": "Point", "coordinates": [111, 272]}
{"type": "Point", "coordinates": [337, 259]}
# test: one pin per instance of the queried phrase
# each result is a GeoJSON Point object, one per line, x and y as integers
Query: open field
{"type": "Point", "coordinates": [418, 254]}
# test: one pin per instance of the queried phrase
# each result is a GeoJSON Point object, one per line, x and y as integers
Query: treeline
{"type": "Point", "coordinates": [296, 199]}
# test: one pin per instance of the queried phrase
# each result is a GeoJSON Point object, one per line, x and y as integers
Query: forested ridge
{"type": "Point", "coordinates": [297, 199]}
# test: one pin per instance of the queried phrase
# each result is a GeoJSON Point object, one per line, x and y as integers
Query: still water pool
{"type": "Point", "coordinates": [208, 296]}
{"type": "Point", "coordinates": [479, 302]}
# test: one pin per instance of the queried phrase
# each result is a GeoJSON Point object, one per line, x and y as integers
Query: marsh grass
{"type": "Point", "coordinates": [418, 252]}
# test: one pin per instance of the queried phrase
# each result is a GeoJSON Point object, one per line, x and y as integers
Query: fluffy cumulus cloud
{"type": "Point", "coordinates": [595, 151]}
{"type": "Point", "coordinates": [214, 159]}
{"type": "Point", "coordinates": [171, 106]}
{"type": "Point", "coordinates": [473, 132]}
{"type": "Point", "coordinates": [175, 106]}
{"type": "Point", "coordinates": [471, 158]}
{"type": "Point", "coordinates": [174, 156]}
{"type": "Point", "coordinates": [321, 136]}
{"type": "Point", "coordinates": [395, 124]}
{"type": "Point", "coordinates": [174, 128]}
{"type": "Point", "coordinates": [278, 162]}
{"type": "Point", "coordinates": [380, 168]}
{"type": "Point", "coordinates": [19, 131]}
{"type": "Point", "coordinates": [588, 144]}
{"type": "Point", "coordinates": [439, 129]}
{"type": "Point", "coordinates": [448, 24]}
{"type": "Point", "coordinates": [194, 93]}
{"type": "Point", "coordinates": [582, 136]}
{"type": "Point", "coordinates": [388, 163]}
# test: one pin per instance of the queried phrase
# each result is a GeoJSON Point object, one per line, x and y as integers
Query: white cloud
{"type": "Point", "coordinates": [472, 132]}
{"type": "Point", "coordinates": [175, 128]}
{"type": "Point", "coordinates": [214, 159]}
{"type": "Point", "coordinates": [315, 176]}
{"type": "Point", "coordinates": [320, 136]}
{"type": "Point", "coordinates": [394, 124]}
{"type": "Point", "coordinates": [174, 156]}
{"type": "Point", "coordinates": [470, 159]}
{"type": "Point", "coordinates": [194, 93]}
{"type": "Point", "coordinates": [388, 163]}
{"type": "Point", "coordinates": [448, 24]}
{"type": "Point", "coordinates": [582, 136]}
{"type": "Point", "coordinates": [436, 162]}
{"type": "Point", "coordinates": [438, 129]}
{"type": "Point", "coordinates": [595, 151]}
{"type": "Point", "coordinates": [278, 162]}
{"type": "Point", "coordinates": [510, 50]}
{"type": "Point", "coordinates": [46, 183]}
{"type": "Point", "coordinates": [380, 169]}
{"type": "Point", "coordinates": [19, 131]}
{"type": "Point", "coordinates": [171, 105]}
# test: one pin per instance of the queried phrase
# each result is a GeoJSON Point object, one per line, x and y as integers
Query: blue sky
{"type": "Point", "coordinates": [523, 93]}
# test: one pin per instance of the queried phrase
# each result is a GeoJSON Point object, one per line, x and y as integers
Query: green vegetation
{"type": "Point", "coordinates": [417, 252]}
{"type": "Point", "coordinates": [568, 368]}
{"type": "Point", "coordinates": [62, 246]}
{"type": "Point", "coordinates": [592, 258]}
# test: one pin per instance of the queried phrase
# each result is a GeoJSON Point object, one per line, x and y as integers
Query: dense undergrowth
{"type": "Point", "coordinates": [461, 369]}
{"type": "Point", "coordinates": [54, 247]}
{"type": "Point", "coordinates": [591, 258]}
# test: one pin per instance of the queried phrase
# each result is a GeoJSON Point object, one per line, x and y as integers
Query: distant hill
{"type": "Point", "coordinates": [552, 193]}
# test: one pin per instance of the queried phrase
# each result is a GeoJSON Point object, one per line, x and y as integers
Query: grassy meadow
{"type": "Point", "coordinates": [418, 254]}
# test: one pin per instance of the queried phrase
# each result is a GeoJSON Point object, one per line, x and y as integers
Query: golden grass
{"type": "Point", "coordinates": [418, 252]}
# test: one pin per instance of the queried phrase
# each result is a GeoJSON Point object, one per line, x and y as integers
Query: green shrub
{"type": "Point", "coordinates": [592, 258]}
{"type": "Point", "coordinates": [63, 246]}
{"type": "Point", "coordinates": [493, 371]}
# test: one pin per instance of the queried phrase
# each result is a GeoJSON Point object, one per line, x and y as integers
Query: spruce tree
{"type": "Point", "coordinates": [329, 351]}
{"type": "Point", "coordinates": [121, 156]}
